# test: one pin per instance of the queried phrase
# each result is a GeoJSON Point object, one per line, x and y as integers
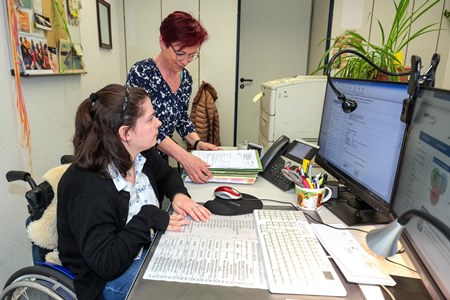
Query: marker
{"type": "Point", "coordinates": [305, 182]}
{"type": "Point", "coordinates": [311, 186]}
{"type": "Point", "coordinates": [305, 165]}
{"type": "Point", "coordinates": [320, 181]}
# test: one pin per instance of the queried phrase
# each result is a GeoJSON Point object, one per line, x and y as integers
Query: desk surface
{"type": "Point", "coordinates": [262, 189]}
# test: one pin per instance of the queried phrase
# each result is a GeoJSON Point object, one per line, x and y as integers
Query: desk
{"type": "Point", "coordinates": [145, 289]}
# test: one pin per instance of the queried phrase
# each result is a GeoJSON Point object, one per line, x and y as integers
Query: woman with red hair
{"type": "Point", "coordinates": [169, 86]}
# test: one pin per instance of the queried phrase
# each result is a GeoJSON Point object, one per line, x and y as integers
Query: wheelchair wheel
{"type": "Point", "coordinates": [38, 282]}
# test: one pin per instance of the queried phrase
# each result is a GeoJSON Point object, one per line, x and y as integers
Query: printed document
{"type": "Point", "coordinates": [222, 251]}
{"type": "Point", "coordinates": [231, 159]}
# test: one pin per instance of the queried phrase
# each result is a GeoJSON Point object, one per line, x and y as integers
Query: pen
{"type": "Point", "coordinates": [310, 172]}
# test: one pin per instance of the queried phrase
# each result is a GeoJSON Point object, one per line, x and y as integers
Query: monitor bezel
{"type": "Point", "coordinates": [361, 192]}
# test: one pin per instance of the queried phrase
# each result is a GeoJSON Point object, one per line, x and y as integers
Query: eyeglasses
{"type": "Point", "coordinates": [183, 55]}
{"type": "Point", "coordinates": [125, 102]}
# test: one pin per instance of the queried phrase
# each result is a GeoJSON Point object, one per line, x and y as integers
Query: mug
{"type": "Point", "coordinates": [312, 199]}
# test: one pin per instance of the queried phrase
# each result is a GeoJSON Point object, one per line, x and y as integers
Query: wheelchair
{"type": "Point", "coordinates": [43, 280]}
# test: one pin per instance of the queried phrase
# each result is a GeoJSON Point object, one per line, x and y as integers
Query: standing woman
{"type": "Point", "coordinates": [109, 198]}
{"type": "Point", "coordinates": [169, 86]}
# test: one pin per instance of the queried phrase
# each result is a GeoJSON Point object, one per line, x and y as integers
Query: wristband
{"type": "Point", "coordinates": [196, 143]}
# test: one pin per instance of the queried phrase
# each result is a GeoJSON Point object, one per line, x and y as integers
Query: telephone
{"type": "Point", "coordinates": [273, 162]}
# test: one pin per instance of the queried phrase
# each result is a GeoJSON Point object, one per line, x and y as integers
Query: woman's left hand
{"type": "Point", "coordinates": [207, 146]}
{"type": "Point", "coordinates": [184, 205]}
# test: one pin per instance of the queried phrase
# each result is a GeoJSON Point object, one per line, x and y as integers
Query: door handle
{"type": "Point", "coordinates": [243, 80]}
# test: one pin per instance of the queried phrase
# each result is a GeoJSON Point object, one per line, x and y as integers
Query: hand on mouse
{"type": "Point", "coordinates": [183, 205]}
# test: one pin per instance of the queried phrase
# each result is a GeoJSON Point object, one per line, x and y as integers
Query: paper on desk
{"type": "Point", "coordinates": [352, 259]}
{"type": "Point", "coordinates": [223, 251]}
{"type": "Point", "coordinates": [231, 159]}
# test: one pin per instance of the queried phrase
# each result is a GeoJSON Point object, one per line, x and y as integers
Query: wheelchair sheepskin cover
{"type": "Point", "coordinates": [43, 232]}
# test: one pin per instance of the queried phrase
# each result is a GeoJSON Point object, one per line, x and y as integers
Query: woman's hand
{"type": "Point", "coordinates": [207, 146]}
{"type": "Point", "coordinates": [183, 205]}
{"type": "Point", "coordinates": [177, 223]}
{"type": "Point", "coordinates": [196, 168]}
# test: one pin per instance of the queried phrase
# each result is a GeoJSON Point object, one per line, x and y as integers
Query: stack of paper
{"type": "Point", "coordinates": [353, 260]}
{"type": "Point", "coordinates": [232, 166]}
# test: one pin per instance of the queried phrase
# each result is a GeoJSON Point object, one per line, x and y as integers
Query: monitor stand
{"type": "Point", "coordinates": [355, 212]}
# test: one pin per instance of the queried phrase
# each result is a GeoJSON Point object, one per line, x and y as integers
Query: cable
{"type": "Point", "coordinates": [388, 292]}
{"type": "Point", "coordinates": [401, 265]}
{"type": "Point", "coordinates": [283, 202]}
{"type": "Point", "coordinates": [338, 228]}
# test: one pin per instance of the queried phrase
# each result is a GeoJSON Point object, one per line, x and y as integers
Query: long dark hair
{"type": "Point", "coordinates": [97, 142]}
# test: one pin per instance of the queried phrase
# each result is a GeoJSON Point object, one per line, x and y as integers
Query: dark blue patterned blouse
{"type": "Point", "coordinates": [171, 109]}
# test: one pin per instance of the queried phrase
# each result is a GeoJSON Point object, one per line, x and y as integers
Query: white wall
{"type": "Point", "coordinates": [51, 103]}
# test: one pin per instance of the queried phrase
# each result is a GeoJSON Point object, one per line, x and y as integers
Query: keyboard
{"type": "Point", "coordinates": [294, 260]}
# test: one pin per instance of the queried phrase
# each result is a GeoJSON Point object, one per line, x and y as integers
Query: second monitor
{"type": "Point", "coordinates": [362, 149]}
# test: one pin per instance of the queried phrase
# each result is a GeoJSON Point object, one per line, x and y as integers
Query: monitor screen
{"type": "Point", "coordinates": [423, 185]}
{"type": "Point", "coordinates": [362, 149]}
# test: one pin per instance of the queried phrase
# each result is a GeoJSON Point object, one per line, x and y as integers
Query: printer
{"type": "Point", "coordinates": [293, 107]}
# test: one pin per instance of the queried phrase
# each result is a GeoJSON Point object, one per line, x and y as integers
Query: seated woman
{"type": "Point", "coordinates": [109, 198]}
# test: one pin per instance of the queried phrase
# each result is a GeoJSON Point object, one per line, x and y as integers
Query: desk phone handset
{"type": "Point", "coordinates": [272, 162]}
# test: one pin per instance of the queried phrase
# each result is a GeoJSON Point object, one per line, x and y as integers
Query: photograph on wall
{"type": "Point", "coordinates": [42, 22]}
{"type": "Point", "coordinates": [70, 58]}
{"type": "Point", "coordinates": [24, 19]}
{"type": "Point", "coordinates": [26, 3]}
{"type": "Point", "coordinates": [34, 53]}
{"type": "Point", "coordinates": [53, 55]}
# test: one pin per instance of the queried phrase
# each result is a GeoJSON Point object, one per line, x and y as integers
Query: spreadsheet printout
{"type": "Point", "coordinates": [222, 251]}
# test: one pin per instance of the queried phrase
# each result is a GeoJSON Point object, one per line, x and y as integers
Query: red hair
{"type": "Point", "coordinates": [183, 28]}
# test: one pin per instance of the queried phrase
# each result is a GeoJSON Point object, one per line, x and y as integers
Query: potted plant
{"type": "Point", "coordinates": [387, 55]}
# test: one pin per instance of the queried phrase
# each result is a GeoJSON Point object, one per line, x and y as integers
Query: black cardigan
{"type": "Point", "coordinates": [94, 241]}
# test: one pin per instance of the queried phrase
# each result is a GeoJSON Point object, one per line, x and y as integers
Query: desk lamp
{"type": "Point", "coordinates": [383, 241]}
{"type": "Point", "coordinates": [349, 105]}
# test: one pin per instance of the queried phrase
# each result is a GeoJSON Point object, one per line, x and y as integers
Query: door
{"type": "Point", "coordinates": [273, 43]}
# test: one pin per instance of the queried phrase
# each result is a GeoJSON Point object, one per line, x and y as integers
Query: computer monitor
{"type": "Point", "coordinates": [423, 184]}
{"type": "Point", "coordinates": [362, 149]}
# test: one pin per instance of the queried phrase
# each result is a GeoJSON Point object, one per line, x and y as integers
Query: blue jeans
{"type": "Point", "coordinates": [118, 288]}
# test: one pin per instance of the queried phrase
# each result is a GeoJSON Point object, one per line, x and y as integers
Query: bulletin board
{"type": "Point", "coordinates": [45, 37]}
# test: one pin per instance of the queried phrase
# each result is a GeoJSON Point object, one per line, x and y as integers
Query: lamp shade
{"type": "Point", "coordinates": [383, 241]}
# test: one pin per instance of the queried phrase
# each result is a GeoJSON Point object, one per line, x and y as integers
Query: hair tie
{"type": "Point", "coordinates": [93, 97]}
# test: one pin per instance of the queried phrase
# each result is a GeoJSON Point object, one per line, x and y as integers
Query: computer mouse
{"type": "Point", "coordinates": [229, 207]}
{"type": "Point", "coordinates": [227, 192]}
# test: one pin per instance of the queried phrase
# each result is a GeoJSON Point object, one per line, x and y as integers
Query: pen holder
{"type": "Point", "coordinates": [312, 199]}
